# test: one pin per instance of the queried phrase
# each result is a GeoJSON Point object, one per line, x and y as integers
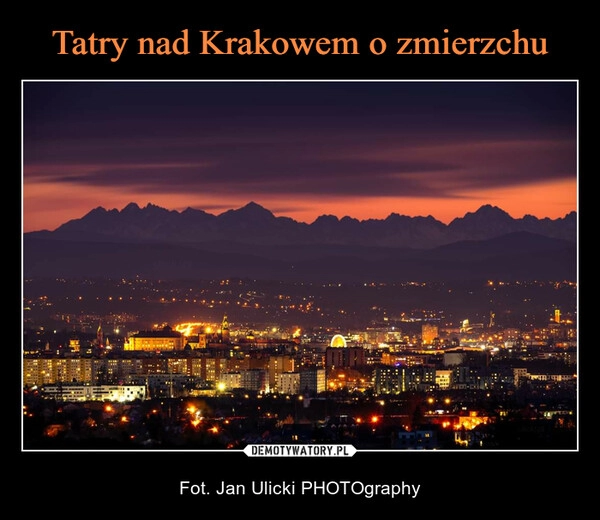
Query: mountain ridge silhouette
{"type": "Point", "coordinates": [254, 224]}
{"type": "Point", "coordinates": [251, 242]}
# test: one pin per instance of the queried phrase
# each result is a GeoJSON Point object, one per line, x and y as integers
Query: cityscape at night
{"type": "Point", "coordinates": [220, 364]}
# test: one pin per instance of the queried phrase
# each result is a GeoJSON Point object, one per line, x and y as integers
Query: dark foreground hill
{"type": "Point", "coordinates": [515, 256]}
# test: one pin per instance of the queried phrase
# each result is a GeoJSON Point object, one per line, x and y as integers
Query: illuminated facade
{"type": "Point", "coordinates": [313, 381]}
{"type": "Point", "coordinates": [288, 383]}
{"type": "Point", "coordinates": [163, 340]}
{"type": "Point", "coordinates": [225, 330]}
{"type": "Point", "coordinates": [81, 392]}
{"type": "Point", "coordinates": [394, 380]}
{"type": "Point", "coordinates": [443, 379]}
{"type": "Point", "coordinates": [74, 345]}
{"type": "Point", "coordinates": [338, 341]}
{"type": "Point", "coordinates": [41, 371]}
{"type": "Point", "coordinates": [229, 380]}
{"type": "Point", "coordinates": [277, 365]}
{"type": "Point", "coordinates": [207, 368]}
{"type": "Point", "coordinates": [429, 332]}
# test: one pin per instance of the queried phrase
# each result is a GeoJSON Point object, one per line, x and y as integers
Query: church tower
{"type": "Point", "coordinates": [225, 330]}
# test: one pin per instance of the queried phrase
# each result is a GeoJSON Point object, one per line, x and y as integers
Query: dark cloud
{"type": "Point", "coordinates": [339, 138]}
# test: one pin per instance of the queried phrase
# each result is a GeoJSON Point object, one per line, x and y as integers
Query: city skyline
{"type": "Point", "coordinates": [301, 148]}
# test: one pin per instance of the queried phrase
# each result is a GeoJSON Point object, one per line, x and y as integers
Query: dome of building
{"type": "Point", "coordinates": [338, 341]}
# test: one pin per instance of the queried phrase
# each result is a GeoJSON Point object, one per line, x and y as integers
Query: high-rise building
{"type": "Point", "coordinates": [348, 357]}
{"type": "Point", "coordinates": [277, 365]}
{"type": "Point", "coordinates": [313, 381]}
{"type": "Point", "coordinates": [288, 383]}
{"type": "Point", "coordinates": [340, 355]}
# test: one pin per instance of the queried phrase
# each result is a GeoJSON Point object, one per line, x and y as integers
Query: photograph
{"type": "Point", "coordinates": [389, 265]}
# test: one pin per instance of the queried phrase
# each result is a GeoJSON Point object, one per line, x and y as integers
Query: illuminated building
{"type": "Point", "coordinates": [410, 358]}
{"type": "Point", "coordinates": [348, 357]}
{"type": "Point", "coordinates": [338, 341]}
{"type": "Point", "coordinates": [208, 368]}
{"type": "Point", "coordinates": [254, 379]}
{"type": "Point", "coordinates": [288, 383]}
{"type": "Point", "coordinates": [277, 365]}
{"type": "Point", "coordinates": [519, 374]}
{"type": "Point", "coordinates": [74, 344]}
{"type": "Point", "coordinates": [544, 376]}
{"type": "Point", "coordinates": [429, 332]}
{"type": "Point", "coordinates": [394, 380]}
{"type": "Point", "coordinates": [482, 378]}
{"type": "Point", "coordinates": [386, 380]}
{"type": "Point", "coordinates": [47, 370]}
{"type": "Point", "coordinates": [165, 339]}
{"type": "Point", "coordinates": [229, 380]}
{"type": "Point", "coordinates": [443, 379]}
{"type": "Point", "coordinates": [225, 330]}
{"type": "Point", "coordinates": [201, 341]}
{"type": "Point", "coordinates": [313, 381]}
{"type": "Point", "coordinates": [339, 355]}
{"type": "Point", "coordinates": [82, 392]}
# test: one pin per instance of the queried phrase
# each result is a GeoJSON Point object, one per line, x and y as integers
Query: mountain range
{"type": "Point", "coordinates": [252, 242]}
